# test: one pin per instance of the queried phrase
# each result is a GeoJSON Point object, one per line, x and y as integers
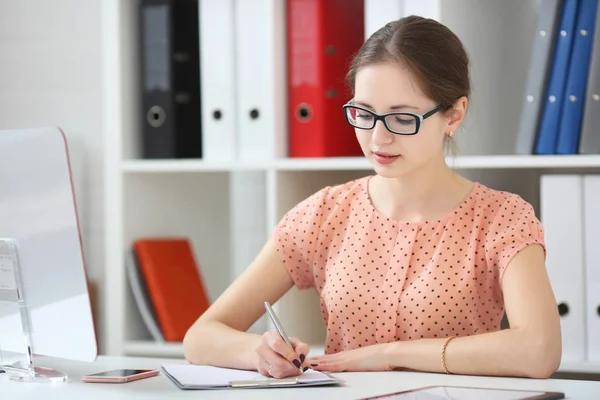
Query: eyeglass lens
{"type": "Point", "coordinates": [399, 123]}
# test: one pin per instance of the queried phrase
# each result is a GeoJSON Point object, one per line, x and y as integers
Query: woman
{"type": "Point", "coordinates": [415, 265]}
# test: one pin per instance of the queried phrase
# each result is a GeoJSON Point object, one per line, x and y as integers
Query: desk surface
{"type": "Point", "coordinates": [356, 385]}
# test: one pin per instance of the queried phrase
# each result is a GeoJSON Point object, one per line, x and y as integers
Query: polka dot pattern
{"type": "Point", "coordinates": [383, 280]}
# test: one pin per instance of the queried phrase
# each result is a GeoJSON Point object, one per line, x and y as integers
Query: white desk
{"type": "Point", "coordinates": [357, 385]}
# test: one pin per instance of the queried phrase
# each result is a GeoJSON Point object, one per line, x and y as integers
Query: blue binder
{"type": "Point", "coordinates": [574, 100]}
{"type": "Point", "coordinates": [548, 132]}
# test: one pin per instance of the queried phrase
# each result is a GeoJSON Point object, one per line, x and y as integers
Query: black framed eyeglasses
{"type": "Point", "coordinates": [400, 123]}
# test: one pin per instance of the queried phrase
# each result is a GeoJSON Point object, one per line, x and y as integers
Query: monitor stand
{"type": "Point", "coordinates": [16, 350]}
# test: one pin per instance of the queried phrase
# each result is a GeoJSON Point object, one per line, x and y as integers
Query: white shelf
{"type": "Point", "coordinates": [581, 367]}
{"type": "Point", "coordinates": [459, 162]}
{"type": "Point", "coordinates": [526, 161]}
{"type": "Point", "coordinates": [323, 164]}
{"type": "Point", "coordinates": [361, 163]}
{"type": "Point", "coordinates": [186, 165]}
{"type": "Point", "coordinates": [142, 348]}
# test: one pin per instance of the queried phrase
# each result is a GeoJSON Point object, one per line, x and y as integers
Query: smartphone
{"type": "Point", "coordinates": [120, 375]}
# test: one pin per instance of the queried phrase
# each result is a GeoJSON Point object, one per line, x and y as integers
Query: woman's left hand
{"type": "Point", "coordinates": [369, 358]}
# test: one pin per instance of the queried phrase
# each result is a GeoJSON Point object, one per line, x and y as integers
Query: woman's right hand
{"type": "Point", "coordinates": [276, 359]}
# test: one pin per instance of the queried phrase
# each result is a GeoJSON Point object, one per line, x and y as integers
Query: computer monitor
{"type": "Point", "coordinates": [45, 307]}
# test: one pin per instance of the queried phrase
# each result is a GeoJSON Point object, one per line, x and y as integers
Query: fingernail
{"type": "Point", "coordinates": [297, 363]}
{"type": "Point", "coordinates": [301, 358]}
{"type": "Point", "coordinates": [305, 368]}
{"type": "Point", "coordinates": [313, 365]}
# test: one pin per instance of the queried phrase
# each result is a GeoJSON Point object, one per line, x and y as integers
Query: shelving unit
{"type": "Point", "coordinates": [229, 209]}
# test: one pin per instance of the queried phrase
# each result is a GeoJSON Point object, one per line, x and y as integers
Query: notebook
{"type": "Point", "coordinates": [174, 283]}
{"type": "Point", "coordinates": [187, 376]}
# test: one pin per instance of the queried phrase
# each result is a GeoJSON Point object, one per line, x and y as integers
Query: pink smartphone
{"type": "Point", "coordinates": [120, 375]}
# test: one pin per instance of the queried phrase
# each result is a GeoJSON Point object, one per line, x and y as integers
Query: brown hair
{"type": "Point", "coordinates": [433, 53]}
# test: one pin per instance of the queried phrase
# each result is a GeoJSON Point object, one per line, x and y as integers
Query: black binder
{"type": "Point", "coordinates": [170, 72]}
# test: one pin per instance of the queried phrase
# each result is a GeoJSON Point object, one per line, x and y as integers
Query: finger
{"type": "Point", "coordinates": [264, 368]}
{"type": "Point", "coordinates": [320, 359]}
{"type": "Point", "coordinates": [302, 349]}
{"type": "Point", "coordinates": [277, 344]}
{"type": "Point", "coordinates": [326, 361]}
{"type": "Point", "coordinates": [280, 367]}
{"type": "Point", "coordinates": [336, 366]}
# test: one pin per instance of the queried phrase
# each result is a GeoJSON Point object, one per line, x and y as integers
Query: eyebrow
{"type": "Point", "coordinates": [394, 107]}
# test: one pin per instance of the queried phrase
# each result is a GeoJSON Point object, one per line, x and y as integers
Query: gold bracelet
{"type": "Point", "coordinates": [444, 353]}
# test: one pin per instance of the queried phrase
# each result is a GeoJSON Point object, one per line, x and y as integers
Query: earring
{"type": "Point", "coordinates": [450, 134]}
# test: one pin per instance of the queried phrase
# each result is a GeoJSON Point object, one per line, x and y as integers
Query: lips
{"type": "Point", "coordinates": [385, 158]}
{"type": "Point", "coordinates": [384, 154]}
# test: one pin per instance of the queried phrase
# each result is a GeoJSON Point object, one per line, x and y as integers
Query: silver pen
{"type": "Point", "coordinates": [278, 326]}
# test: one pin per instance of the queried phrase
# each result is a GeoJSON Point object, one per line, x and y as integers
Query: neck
{"type": "Point", "coordinates": [427, 193]}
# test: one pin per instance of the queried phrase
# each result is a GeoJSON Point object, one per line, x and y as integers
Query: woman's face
{"type": "Point", "coordinates": [390, 87]}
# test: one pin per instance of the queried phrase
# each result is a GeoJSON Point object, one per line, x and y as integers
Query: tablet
{"type": "Point", "coordinates": [468, 393]}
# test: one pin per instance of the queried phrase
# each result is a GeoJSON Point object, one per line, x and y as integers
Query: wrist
{"type": "Point", "coordinates": [395, 354]}
{"type": "Point", "coordinates": [250, 355]}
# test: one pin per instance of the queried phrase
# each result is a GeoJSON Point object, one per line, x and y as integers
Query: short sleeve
{"type": "Point", "coordinates": [296, 236]}
{"type": "Point", "coordinates": [514, 227]}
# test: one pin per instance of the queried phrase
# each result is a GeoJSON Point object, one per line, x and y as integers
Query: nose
{"type": "Point", "coordinates": [381, 135]}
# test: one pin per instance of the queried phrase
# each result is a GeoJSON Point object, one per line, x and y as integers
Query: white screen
{"type": "Point", "coordinates": [37, 210]}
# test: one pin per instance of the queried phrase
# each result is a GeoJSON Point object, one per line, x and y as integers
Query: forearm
{"type": "Point", "coordinates": [214, 343]}
{"type": "Point", "coordinates": [508, 352]}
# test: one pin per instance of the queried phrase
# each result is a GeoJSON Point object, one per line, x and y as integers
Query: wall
{"type": "Point", "coordinates": [50, 63]}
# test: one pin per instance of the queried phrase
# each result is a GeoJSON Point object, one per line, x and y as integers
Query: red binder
{"type": "Point", "coordinates": [322, 38]}
{"type": "Point", "coordinates": [173, 282]}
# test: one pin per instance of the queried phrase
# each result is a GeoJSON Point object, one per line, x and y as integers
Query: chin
{"type": "Point", "coordinates": [388, 173]}
{"type": "Point", "coordinates": [394, 170]}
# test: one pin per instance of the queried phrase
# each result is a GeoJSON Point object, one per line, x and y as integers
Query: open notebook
{"type": "Point", "coordinates": [187, 376]}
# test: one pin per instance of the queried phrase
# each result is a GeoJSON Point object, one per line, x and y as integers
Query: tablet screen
{"type": "Point", "coordinates": [468, 393]}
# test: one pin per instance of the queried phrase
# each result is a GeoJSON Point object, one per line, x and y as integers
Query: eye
{"type": "Point", "coordinates": [365, 116]}
{"type": "Point", "coordinates": [404, 121]}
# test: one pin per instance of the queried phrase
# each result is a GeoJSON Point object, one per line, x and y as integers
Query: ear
{"type": "Point", "coordinates": [456, 115]}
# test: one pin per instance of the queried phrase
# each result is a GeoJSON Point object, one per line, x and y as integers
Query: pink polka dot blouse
{"type": "Point", "coordinates": [383, 280]}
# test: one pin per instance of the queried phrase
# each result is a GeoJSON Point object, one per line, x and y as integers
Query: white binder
{"type": "Point", "coordinates": [247, 191]}
{"type": "Point", "coordinates": [561, 199]}
{"type": "Point", "coordinates": [217, 79]}
{"type": "Point", "coordinates": [591, 199]}
{"type": "Point", "coordinates": [380, 12]}
{"type": "Point", "coordinates": [261, 79]}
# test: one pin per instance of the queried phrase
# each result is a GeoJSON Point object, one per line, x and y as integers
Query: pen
{"type": "Point", "coordinates": [278, 326]}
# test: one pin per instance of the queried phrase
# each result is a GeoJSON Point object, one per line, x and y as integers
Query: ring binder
{"type": "Point", "coordinates": [170, 79]}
